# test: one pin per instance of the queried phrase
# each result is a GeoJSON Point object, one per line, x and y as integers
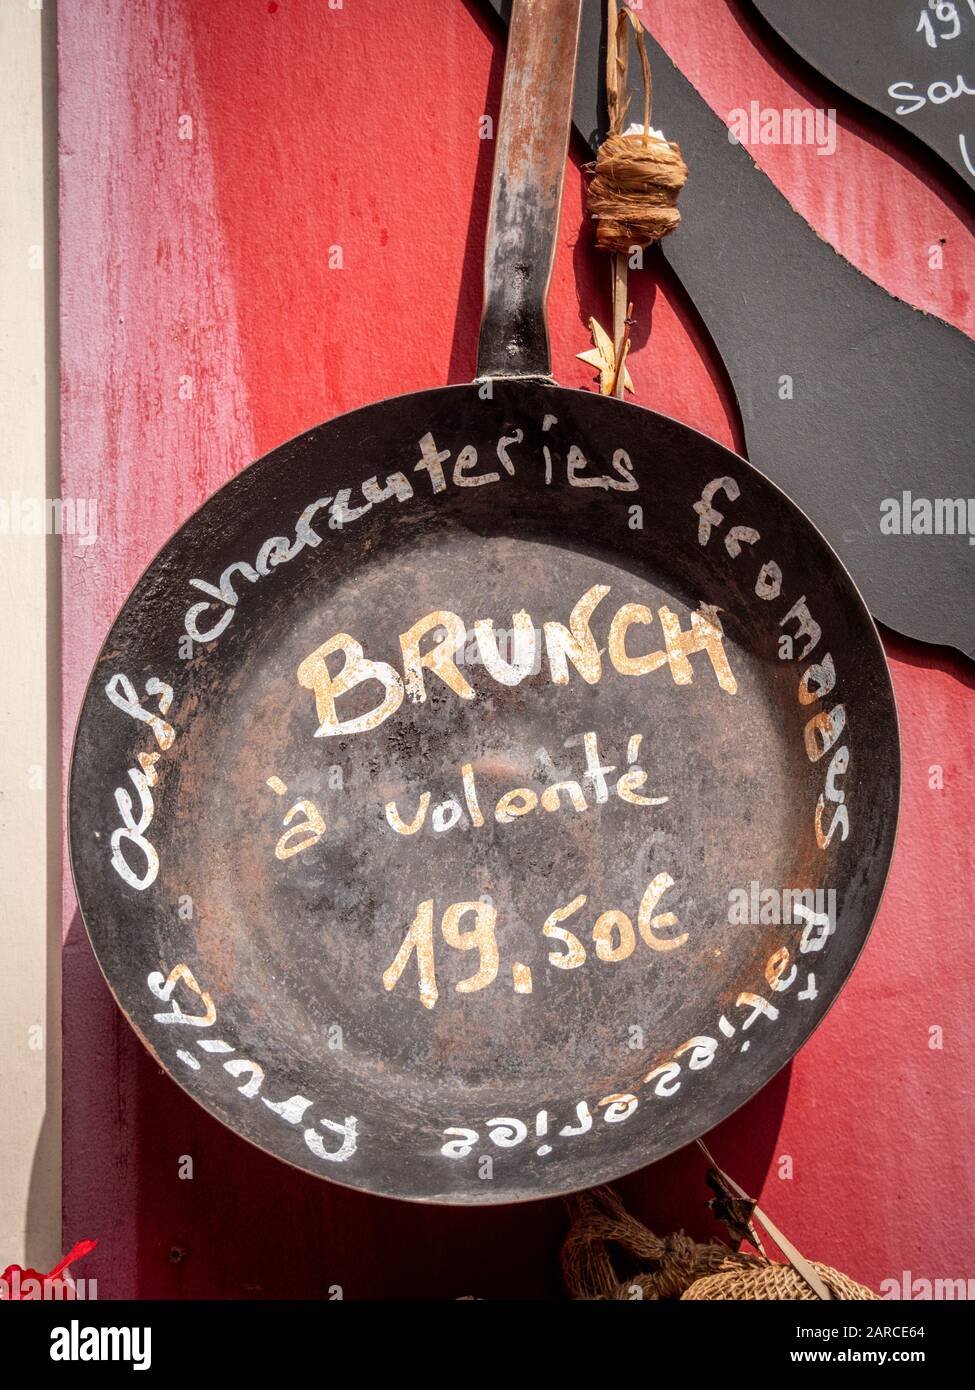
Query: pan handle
{"type": "Point", "coordinates": [526, 192]}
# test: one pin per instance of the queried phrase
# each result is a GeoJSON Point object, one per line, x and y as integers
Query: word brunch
{"type": "Point", "coordinates": [575, 645]}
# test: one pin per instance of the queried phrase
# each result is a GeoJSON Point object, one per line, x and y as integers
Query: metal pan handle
{"type": "Point", "coordinates": [526, 192]}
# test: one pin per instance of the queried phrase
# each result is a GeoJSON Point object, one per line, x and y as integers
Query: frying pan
{"type": "Point", "coordinates": [486, 792]}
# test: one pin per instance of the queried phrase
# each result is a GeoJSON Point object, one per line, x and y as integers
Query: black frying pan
{"type": "Point", "coordinates": [488, 791]}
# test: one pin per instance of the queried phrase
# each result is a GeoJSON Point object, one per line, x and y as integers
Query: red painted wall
{"type": "Point", "coordinates": [201, 326]}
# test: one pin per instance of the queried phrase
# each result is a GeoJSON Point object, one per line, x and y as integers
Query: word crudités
{"type": "Point", "coordinates": [249, 1073]}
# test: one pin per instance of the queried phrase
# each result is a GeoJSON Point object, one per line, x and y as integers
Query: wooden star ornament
{"type": "Point", "coordinates": [602, 356]}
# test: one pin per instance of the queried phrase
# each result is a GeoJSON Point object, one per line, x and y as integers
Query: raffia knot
{"type": "Point", "coordinates": [662, 1267]}
{"type": "Point", "coordinates": [632, 198]}
{"type": "Point", "coordinates": [675, 1266]}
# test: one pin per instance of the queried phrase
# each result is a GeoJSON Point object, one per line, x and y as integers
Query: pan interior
{"type": "Point", "coordinates": [310, 938]}
{"type": "Point", "coordinates": [491, 824]}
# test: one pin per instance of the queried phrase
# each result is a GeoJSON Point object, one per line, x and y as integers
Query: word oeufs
{"type": "Point", "coordinates": [575, 644]}
{"type": "Point", "coordinates": [613, 937]}
{"type": "Point", "coordinates": [131, 832]}
{"type": "Point", "coordinates": [522, 801]}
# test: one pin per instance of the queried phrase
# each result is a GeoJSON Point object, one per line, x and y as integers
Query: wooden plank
{"type": "Point", "coordinates": [30, 1026]}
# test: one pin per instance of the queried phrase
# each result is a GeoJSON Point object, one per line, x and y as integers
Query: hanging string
{"type": "Point", "coordinates": [637, 175]}
{"type": "Point", "coordinates": [633, 195]}
{"type": "Point", "coordinates": [636, 179]}
{"type": "Point", "coordinates": [609, 1254]}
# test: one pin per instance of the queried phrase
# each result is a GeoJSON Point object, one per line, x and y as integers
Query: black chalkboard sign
{"type": "Point", "coordinates": [872, 437]}
{"type": "Point", "coordinates": [911, 60]}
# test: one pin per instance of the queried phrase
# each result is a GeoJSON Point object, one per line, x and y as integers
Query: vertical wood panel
{"type": "Point", "coordinates": [30, 1042]}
